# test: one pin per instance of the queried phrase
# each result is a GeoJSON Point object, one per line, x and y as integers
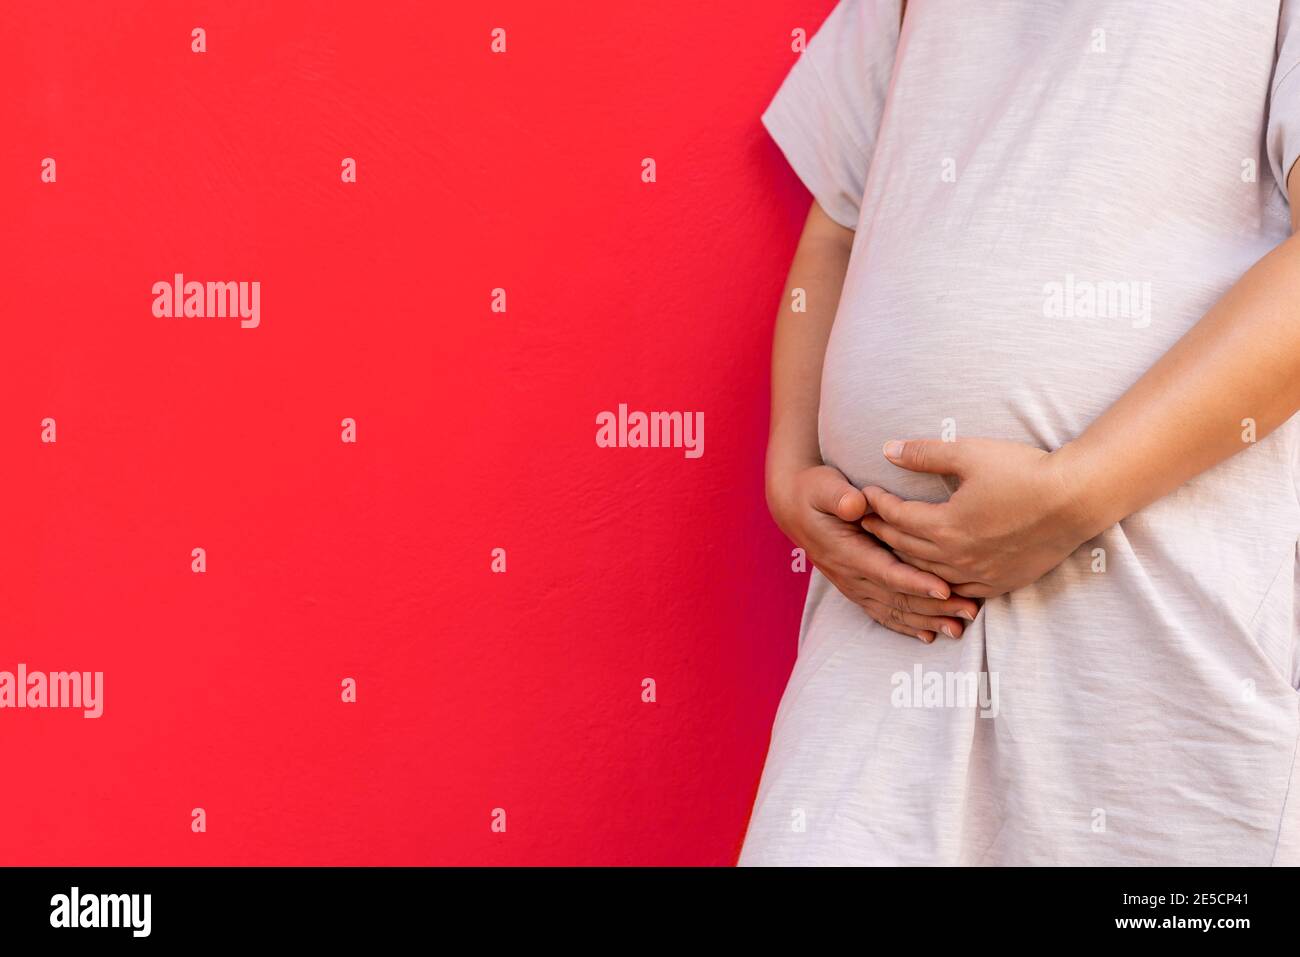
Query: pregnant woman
{"type": "Point", "coordinates": [1034, 428]}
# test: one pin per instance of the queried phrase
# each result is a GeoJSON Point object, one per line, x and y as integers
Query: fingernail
{"type": "Point", "coordinates": [893, 449]}
{"type": "Point", "coordinates": [947, 630]}
{"type": "Point", "coordinates": [935, 593]}
{"type": "Point", "coordinates": [925, 636]}
{"type": "Point", "coordinates": [965, 614]}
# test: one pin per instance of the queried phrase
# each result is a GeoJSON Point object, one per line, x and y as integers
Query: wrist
{"type": "Point", "coordinates": [1085, 505]}
{"type": "Point", "coordinates": [779, 480]}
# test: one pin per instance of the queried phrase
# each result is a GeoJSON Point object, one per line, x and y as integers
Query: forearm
{"type": "Point", "coordinates": [1233, 378]}
{"type": "Point", "coordinates": [799, 342]}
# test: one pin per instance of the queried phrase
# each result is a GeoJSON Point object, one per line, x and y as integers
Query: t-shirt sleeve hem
{"type": "Point", "coordinates": [1284, 126]}
{"type": "Point", "coordinates": [792, 128]}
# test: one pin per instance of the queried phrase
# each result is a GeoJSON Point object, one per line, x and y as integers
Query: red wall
{"type": "Point", "coordinates": [476, 430]}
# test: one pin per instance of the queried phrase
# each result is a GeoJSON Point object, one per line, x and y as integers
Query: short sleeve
{"type": "Point", "coordinates": [826, 114]}
{"type": "Point", "coordinates": [1283, 135]}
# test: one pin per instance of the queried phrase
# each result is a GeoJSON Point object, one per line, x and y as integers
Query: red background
{"type": "Point", "coordinates": [475, 430]}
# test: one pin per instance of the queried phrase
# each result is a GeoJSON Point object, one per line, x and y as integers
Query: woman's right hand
{"type": "Point", "coordinates": [820, 511]}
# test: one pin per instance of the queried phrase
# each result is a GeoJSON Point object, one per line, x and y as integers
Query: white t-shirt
{"type": "Point", "coordinates": [1047, 194]}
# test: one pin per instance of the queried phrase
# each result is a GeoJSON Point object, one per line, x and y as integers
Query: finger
{"type": "Point", "coordinates": [865, 593]}
{"type": "Point", "coordinates": [833, 495]}
{"type": "Point", "coordinates": [978, 590]}
{"type": "Point", "coordinates": [916, 518]}
{"type": "Point", "coordinates": [912, 622]}
{"type": "Point", "coordinates": [926, 455]}
{"type": "Point", "coordinates": [954, 607]}
{"type": "Point", "coordinates": [879, 565]}
{"type": "Point", "coordinates": [881, 615]}
{"type": "Point", "coordinates": [944, 571]}
{"type": "Point", "coordinates": [900, 540]}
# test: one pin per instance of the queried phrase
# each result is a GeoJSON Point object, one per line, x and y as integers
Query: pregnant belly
{"type": "Point", "coordinates": [941, 337]}
{"type": "Point", "coordinates": [932, 370]}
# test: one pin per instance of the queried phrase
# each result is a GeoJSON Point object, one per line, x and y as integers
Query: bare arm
{"type": "Point", "coordinates": [1238, 366]}
{"type": "Point", "coordinates": [812, 503]}
{"type": "Point", "coordinates": [799, 343]}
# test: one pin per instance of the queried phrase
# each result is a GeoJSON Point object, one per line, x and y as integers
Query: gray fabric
{"type": "Point", "coordinates": [1146, 712]}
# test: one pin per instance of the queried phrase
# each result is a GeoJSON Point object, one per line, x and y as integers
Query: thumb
{"type": "Point", "coordinates": [832, 494]}
{"type": "Point", "coordinates": [925, 455]}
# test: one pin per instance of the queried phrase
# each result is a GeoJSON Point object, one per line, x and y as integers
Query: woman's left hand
{"type": "Point", "coordinates": [1015, 516]}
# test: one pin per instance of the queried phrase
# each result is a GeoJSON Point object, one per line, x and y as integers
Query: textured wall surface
{"type": "Point", "coordinates": [325, 560]}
